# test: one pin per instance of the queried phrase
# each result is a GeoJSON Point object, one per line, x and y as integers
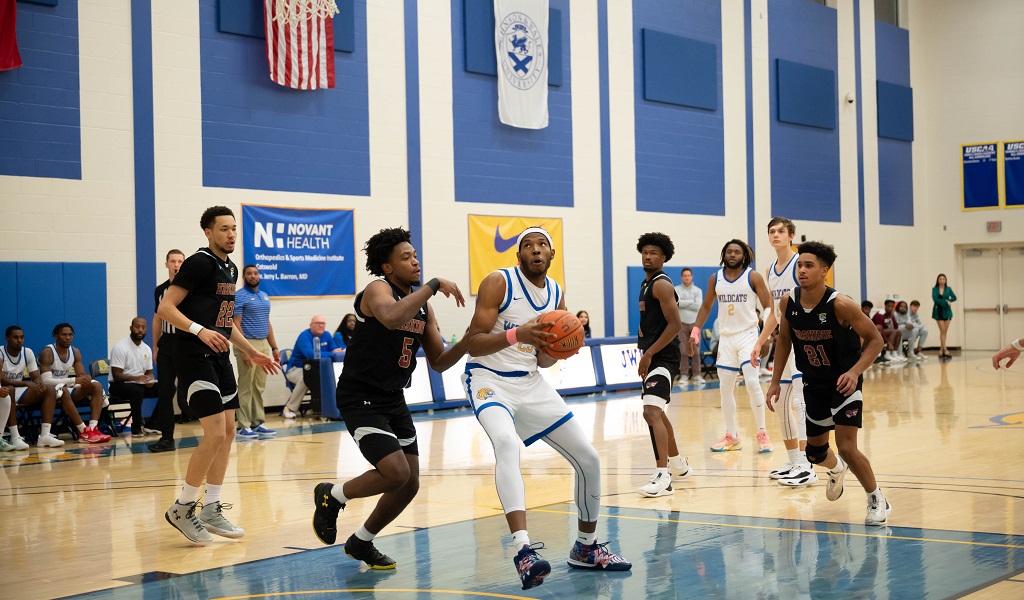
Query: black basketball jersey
{"type": "Point", "coordinates": [211, 292]}
{"type": "Point", "coordinates": [652, 319]}
{"type": "Point", "coordinates": [158, 295]}
{"type": "Point", "coordinates": [824, 348]}
{"type": "Point", "coordinates": [379, 359]}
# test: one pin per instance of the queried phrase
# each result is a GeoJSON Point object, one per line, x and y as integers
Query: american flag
{"type": "Point", "coordinates": [300, 53]}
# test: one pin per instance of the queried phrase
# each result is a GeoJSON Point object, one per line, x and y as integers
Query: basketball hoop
{"type": "Point", "coordinates": [294, 11]}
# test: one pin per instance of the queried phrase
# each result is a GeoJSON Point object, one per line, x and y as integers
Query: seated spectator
{"type": "Point", "coordinates": [311, 343]}
{"type": "Point", "coordinates": [890, 330]}
{"type": "Point", "coordinates": [17, 361]}
{"type": "Point", "coordinates": [584, 318]}
{"type": "Point", "coordinates": [131, 373]}
{"type": "Point", "coordinates": [912, 328]}
{"type": "Point", "coordinates": [347, 327]}
{"type": "Point", "coordinates": [56, 361]}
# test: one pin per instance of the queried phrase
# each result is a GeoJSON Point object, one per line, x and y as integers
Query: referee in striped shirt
{"type": "Point", "coordinates": [164, 341]}
{"type": "Point", "coordinates": [252, 317]}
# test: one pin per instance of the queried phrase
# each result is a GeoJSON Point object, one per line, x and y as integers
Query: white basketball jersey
{"type": "Point", "coordinates": [62, 368]}
{"type": "Point", "coordinates": [523, 301]}
{"type": "Point", "coordinates": [782, 283]}
{"type": "Point", "coordinates": [737, 303]}
{"type": "Point", "coordinates": [15, 369]}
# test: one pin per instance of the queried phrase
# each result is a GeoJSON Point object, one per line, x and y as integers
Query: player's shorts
{"type": "Point", "coordinates": [18, 393]}
{"type": "Point", "coordinates": [657, 388]}
{"type": "Point", "coordinates": [207, 379]}
{"type": "Point", "coordinates": [535, 406]}
{"type": "Point", "coordinates": [734, 349]}
{"type": "Point", "coordinates": [380, 425]}
{"type": "Point", "coordinates": [827, 407]}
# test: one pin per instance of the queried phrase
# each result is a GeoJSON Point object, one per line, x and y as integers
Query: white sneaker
{"type": "Point", "coordinates": [684, 380]}
{"type": "Point", "coordinates": [782, 471]}
{"type": "Point", "coordinates": [878, 511]}
{"type": "Point", "coordinates": [183, 518]}
{"type": "Point", "coordinates": [19, 443]}
{"type": "Point", "coordinates": [898, 357]}
{"type": "Point", "coordinates": [5, 446]}
{"type": "Point", "coordinates": [287, 413]}
{"type": "Point", "coordinates": [212, 518]}
{"type": "Point", "coordinates": [835, 483]}
{"type": "Point", "coordinates": [49, 441]}
{"type": "Point", "coordinates": [800, 476]}
{"type": "Point", "coordinates": [660, 485]}
{"type": "Point", "coordinates": [698, 380]}
{"type": "Point", "coordinates": [679, 469]}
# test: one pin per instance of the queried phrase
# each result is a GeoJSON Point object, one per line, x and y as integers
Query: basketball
{"type": "Point", "coordinates": [569, 330]}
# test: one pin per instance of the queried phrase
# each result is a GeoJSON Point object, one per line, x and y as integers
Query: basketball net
{"type": "Point", "coordinates": [294, 11]}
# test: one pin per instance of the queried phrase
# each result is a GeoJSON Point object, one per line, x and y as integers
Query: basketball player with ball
{"type": "Point", "coordinates": [658, 339]}
{"type": "Point", "coordinates": [512, 334]}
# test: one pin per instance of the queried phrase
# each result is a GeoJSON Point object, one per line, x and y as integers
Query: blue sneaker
{"type": "Point", "coordinates": [597, 556]}
{"type": "Point", "coordinates": [265, 434]}
{"type": "Point", "coordinates": [532, 568]}
{"type": "Point", "coordinates": [242, 435]}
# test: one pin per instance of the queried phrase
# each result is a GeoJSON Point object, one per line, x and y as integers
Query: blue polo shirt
{"type": "Point", "coordinates": [304, 348]}
{"type": "Point", "coordinates": [254, 306]}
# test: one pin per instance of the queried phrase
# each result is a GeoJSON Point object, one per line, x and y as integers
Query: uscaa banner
{"type": "Point", "coordinates": [521, 47]}
{"type": "Point", "coordinates": [492, 245]}
{"type": "Point", "coordinates": [301, 252]}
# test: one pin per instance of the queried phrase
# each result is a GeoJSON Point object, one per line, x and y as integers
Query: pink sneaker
{"type": "Point", "coordinates": [91, 435]}
{"type": "Point", "coordinates": [764, 444]}
{"type": "Point", "coordinates": [728, 443]}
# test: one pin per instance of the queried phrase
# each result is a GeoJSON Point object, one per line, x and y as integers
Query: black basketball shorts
{"type": "Point", "coordinates": [206, 378]}
{"type": "Point", "coordinates": [827, 407]}
{"type": "Point", "coordinates": [657, 387]}
{"type": "Point", "coordinates": [379, 425]}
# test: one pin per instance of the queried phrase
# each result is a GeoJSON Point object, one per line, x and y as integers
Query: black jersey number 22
{"type": "Point", "coordinates": [227, 311]}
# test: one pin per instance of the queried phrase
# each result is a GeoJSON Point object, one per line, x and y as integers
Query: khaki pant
{"type": "Point", "coordinates": [251, 383]}
{"type": "Point", "coordinates": [689, 366]}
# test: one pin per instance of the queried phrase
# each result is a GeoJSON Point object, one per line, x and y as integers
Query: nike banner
{"type": "Point", "coordinates": [521, 47]}
{"type": "Point", "coordinates": [492, 245]}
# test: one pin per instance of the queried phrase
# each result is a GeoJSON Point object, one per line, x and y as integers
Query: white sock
{"type": "Point", "coordinates": [876, 494]}
{"type": "Point", "coordinates": [364, 535]}
{"type": "Point", "coordinates": [677, 462]}
{"type": "Point", "coordinates": [840, 465]}
{"type": "Point", "coordinates": [44, 430]}
{"type": "Point", "coordinates": [14, 432]}
{"type": "Point", "coordinates": [81, 427]}
{"type": "Point", "coordinates": [520, 539]}
{"type": "Point", "coordinates": [189, 494]}
{"type": "Point", "coordinates": [93, 423]}
{"type": "Point", "coordinates": [587, 539]}
{"type": "Point", "coordinates": [796, 456]}
{"type": "Point", "coordinates": [662, 470]}
{"type": "Point", "coordinates": [338, 491]}
{"type": "Point", "coordinates": [212, 493]}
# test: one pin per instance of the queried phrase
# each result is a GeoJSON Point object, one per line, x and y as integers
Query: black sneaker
{"type": "Point", "coordinates": [368, 553]}
{"type": "Point", "coordinates": [162, 446]}
{"type": "Point", "coordinates": [325, 517]}
{"type": "Point", "coordinates": [531, 567]}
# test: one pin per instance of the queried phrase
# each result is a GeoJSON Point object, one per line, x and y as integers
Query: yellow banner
{"type": "Point", "coordinates": [492, 245]}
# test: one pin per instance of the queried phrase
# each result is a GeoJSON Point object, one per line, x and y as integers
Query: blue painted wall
{"type": "Point", "coordinates": [895, 156]}
{"type": "Point", "coordinates": [75, 293]}
{"type": "Point", "coordinates": [40, 120]}
{"type": "Point", "coordinates": [636, 275]}
{"type": "Point", "coordinates": [680, 151]}
{"type": "Point", "coordinates": [804, 160]}
{"type": "Point", "coordinates": [502, 164]}
{"type": "Point", "coordinates": [260, 135]}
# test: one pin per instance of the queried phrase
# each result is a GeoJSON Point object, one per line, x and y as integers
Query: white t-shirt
{"type": "Point", "coordinates": [133, 360]}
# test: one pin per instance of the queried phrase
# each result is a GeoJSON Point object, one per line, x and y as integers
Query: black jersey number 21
{"type": "Point", "coordinates": [817, 356]}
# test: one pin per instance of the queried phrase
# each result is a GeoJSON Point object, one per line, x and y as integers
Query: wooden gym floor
{"type": "Point", "coordinates": [946, 441]}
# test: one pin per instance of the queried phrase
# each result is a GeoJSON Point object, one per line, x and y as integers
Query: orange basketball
{"type": "Point", "coordinates": [569, 330]}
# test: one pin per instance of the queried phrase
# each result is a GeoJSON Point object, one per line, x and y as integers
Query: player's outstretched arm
{"type": "Point", "coordinates": [264, 361]}
{"type": "Point", "coordinates": [849, 313]}
{"type": "Point", "coordinates": [438, 357]}
{"type": "Point", "coordinates": [379, 302]}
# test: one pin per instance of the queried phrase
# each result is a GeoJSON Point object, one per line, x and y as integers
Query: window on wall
{"type": "Point", "coordinates": [888, 11]}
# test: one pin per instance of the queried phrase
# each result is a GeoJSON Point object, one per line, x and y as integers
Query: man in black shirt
{"type": "Point", "coordinates": [658, 339]}
{"type": "Point", "coordinates": [379, 361]}
{"type": "Point", "coordinates": [825, 328]}
{"type": "Point", "coordinates": [200, 303]}
{"type": "Point", "coordinates": [164, 338]}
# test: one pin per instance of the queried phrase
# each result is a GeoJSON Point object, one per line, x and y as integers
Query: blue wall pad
{"type": "Point", "coordinates": [804, 159]}
{"type": "Point", "coordinates": [245, 17]}
{"type": "Point", "coordinates": [40, 119]}
{"type": "Point", "coordinates": [502, 164]}
{"type": "Point", "coordinates": [680, 150]}
{"type": "Point", "coordinates": [259, 135]}
{"type": "Point", "coordinates": [895, 111]}
{"type": "Point", "coordinates": [892, 53]}
{"type": "Point", "coordinates": [806, 94]}
{"type": "Point", "coordinates": [895, 182]}
{"type": "Point", "coordinates": [478, 29]}
{"type": "Point", "coordinates": [75, 293]}
{"type": "Point", "coordinates": [678, 70]}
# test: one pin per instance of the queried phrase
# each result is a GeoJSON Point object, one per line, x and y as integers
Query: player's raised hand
{"type": "Point", "coordinates": [449, 289]}
{"type": "Point", "coordinates": [216, 341]}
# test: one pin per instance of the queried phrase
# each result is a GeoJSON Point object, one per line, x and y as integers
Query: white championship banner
{"type": "Point", "coordinates": [521, 47]}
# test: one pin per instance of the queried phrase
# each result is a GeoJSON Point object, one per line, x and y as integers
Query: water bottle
{"type": "Point", "coordinates": [316, 348]}
{"type": "Point", "coordinates": [453, 340]}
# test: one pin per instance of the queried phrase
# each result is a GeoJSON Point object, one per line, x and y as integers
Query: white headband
{"type": "Point", "coordinates": [528, 231]}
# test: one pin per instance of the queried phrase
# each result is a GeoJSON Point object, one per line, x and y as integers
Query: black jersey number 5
{"type": "Point", "coordinates": [406, 358]}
